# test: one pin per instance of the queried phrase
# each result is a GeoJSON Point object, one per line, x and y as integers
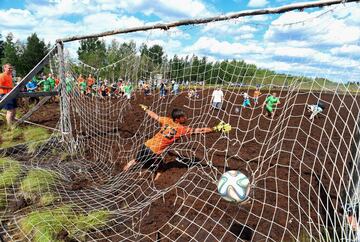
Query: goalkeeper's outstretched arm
{"type": "Point", "coordinates": [202, 130]}
{"type": "Point", "coordinates": [152, 114]}
{"type": "Point", "coordinates": [221, 127]}
{"type": "Point", "coordinates": [149, 112]}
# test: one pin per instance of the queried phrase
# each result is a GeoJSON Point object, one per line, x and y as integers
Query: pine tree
{"type": "Point", "coordinates": [92, 51]}
{"type": "Point", "coordinates": [1, 47]}
{"type": "Point", "coordinates": [34, 51]}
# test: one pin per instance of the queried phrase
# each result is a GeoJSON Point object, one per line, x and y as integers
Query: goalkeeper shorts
{"type": "Point", "coordinates": [147, 157]}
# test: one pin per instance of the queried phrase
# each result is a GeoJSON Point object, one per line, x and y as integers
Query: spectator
{"type": "Point", "coordinates": [128, 90]}
{"type": "Point", "coordinates": [162, 90]}
{"type": "Point", "coordinates": [175, 88]}
{"type": "Point", "coordinates": [6, 85]}
{"type": "Point", "coordinates": [31, 86]}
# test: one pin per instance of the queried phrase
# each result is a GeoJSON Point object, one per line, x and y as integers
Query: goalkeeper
{"type": "Point", "coordinates": [171, 129]}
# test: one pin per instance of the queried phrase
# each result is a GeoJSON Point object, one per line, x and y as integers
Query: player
{"type": "Point", "coordinates": [171, 129]}
{"type": "Point", "coordinates": [315, 109]}
{"type": "Point", "coordinates": [192, 93]}
{"type": "Point", "coordinates": [257, 93]}
{"type": "Point", "coordinates": [270, 103]}
{"type": "Point", "coordinates": [246, 102]}
{"type": "Point", "coordinates": [217, 98]}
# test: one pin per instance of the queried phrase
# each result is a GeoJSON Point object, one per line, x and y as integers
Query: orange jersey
{"type": "Point", "coordinates": [80, 79]}
{"type": "Point", "coordinates": [257, 93]}
{"type": "Point", "coordinates": [6, 81]}
{"type": "Point", "coordinates": [90, 82]}
{"type": "Point", "coordinates": [169, 132]}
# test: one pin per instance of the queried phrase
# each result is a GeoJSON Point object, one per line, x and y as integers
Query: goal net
{"type": "Point", "coordinates": [76, 183]}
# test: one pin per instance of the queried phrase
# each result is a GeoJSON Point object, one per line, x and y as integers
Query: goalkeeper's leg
{"type": "Point", "coordinates": [129, 164]}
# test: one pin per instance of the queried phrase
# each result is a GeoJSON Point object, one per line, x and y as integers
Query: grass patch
{"type": "Point", "coordinates": [64, 156]}
{"type": "Point", "coordinates": [3, 200]}
{"type": "Point", "coordinates": [36, 182]}
{"type": "Point", "coordinates": [10, 171]}
{"type": "Point", "coordinates": [84, 223]}
{"type": "Point", "coordinates": [47, 199]}
{"type": "Point", "coordinates": [35, 136]}
{"type": "Point", "coordinates": [46, 225]}
{"type": "Point", "coordinates": [11, 137]}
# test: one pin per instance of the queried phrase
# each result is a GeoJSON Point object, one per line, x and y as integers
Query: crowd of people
{"type": "Point", "coordinates": [89, 86]}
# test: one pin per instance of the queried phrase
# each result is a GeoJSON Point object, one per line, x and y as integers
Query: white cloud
{"type": "Point", "coordinates": [325, 30]}
{"type": "Point", "coordinates": [309, 56]}
{"type": "Point", "coordinates": [229, 29]}
{"type": "Point", "coordinates": [61, 7]}
{"type": "Point", "coordinates": [350, 50]}
{"type": "Point", "coordinates": [17, 18]}
{"type": "Point", "coordinates": [108, 21]}
{"type": "Point", "coordinates": [165, 9]}
{"type": "Point", "coordinates": [211, 46]}
{"type": "Point", "coordinates": [257, 3]}
{"type": "Point", "coordinates": [244, 36]}
{"type": "Point", "coordinates": [168, 9]}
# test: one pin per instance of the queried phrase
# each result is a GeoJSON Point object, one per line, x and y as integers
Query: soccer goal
{"type": "Point", "coordinates": [287, 118]}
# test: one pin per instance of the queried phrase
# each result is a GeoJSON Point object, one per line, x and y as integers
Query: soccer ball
{"type": "Point", "coordinates": [233, 186]}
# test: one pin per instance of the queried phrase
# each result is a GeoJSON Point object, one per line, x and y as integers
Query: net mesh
{"type": "Point", "coordinates": [303, 169]}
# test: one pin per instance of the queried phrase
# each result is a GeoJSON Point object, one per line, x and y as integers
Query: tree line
{"type": "Point", "coordinates": [22, 55]}
{"type": "Point", "coordinates": [127, 61]}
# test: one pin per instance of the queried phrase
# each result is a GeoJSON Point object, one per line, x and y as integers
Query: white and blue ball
{"type": "Point", "coordinates": [234, 186]}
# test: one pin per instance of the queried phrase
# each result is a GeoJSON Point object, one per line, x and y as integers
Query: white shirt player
{"type": "Point", "coordinates": [217, 96]}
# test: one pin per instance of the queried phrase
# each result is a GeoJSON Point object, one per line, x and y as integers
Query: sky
{"type": "Point", "coordinates": [321, 42]}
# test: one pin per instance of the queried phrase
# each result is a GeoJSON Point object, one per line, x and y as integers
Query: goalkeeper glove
{"type": "Point", "coordinates": [219, 126]}
{"type": "Point", "coordinates": [143, 107]}
{"type": "Point", "coordinates": [226, 128]}
{"type": "Point", "coordinates": [222, 127]}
